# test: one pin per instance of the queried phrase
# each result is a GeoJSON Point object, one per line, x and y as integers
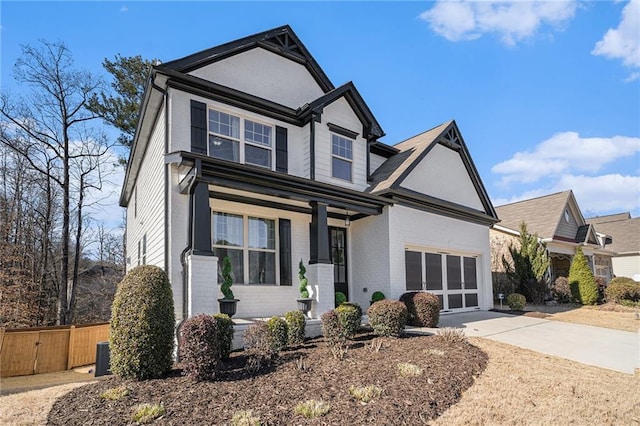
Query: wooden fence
{"type": "Point", "coordinates": [25, 351]}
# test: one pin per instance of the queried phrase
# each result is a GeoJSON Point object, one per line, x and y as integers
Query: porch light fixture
{"type": "Point", "coordinates": [347, 221]}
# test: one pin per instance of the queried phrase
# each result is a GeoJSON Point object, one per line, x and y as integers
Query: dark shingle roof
{"type": "Point", "coordinates": [541, 214]}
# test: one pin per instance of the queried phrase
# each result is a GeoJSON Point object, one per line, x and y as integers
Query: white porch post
{"type": "Point", "coordinates": [203, 284]}
{"type": "Point", "coordinates": [320, 276]}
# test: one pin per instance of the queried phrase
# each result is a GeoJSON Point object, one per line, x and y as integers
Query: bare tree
{"type": "Point", "coordinates": [49, 129]}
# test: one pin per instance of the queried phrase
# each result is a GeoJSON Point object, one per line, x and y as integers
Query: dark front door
{"type": "Point", "coordinates": [338, 252]}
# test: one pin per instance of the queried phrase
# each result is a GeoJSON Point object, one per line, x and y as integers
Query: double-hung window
{"type": "Point", "coordinates": [341, 157]}
{"type": "Point", "coordinates": [250, 243]}
{"type": "Point", "coordinates": [241, 140]}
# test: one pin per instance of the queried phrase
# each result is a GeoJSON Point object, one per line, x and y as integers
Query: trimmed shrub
{"type": "Point", "coordinates": [561, 290]}
{"type": "Point", "coordinates": [516, 301]}
{"type": "Point", "coordinates": [377, 296]}
{"type": "Point", "coordinates": [423, 308]}
{"type": "Point", "coordinates": [601, 285]}
{"type": "Point", "coordinates": [340, 298]}
{"type": "Point", "coordinates": [350, 315]}
{"type": "Point", "coordinates": [296, 323]}
{"type": "Point", "coordinates": [581, 281]}
{"type": "Point", "coordinates": [199, 347]}
{"type": "Point", "coordinates": [334, 334]}
{"type": "Point", "coordinates": [388, 317]}
{"type": "Point", "coordinates": [142, 325]}
{"type": "Point", "coordinates": [622, 288]}
{"type": "Point", "coordinates": [258, 346]}
{"type": "Point", "coordinates": [225, 334]}
{"type": "Point", "coordinates": [278, 333]}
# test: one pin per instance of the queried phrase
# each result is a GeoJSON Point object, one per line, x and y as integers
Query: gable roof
{"type": "Point", "coordinates": [389, 176]}
{"type": "Point", "coordinates": [625, 234]}
{"type": "Point", "coordinates": [281, 40]}
{"type": "Point", "coordinates": [541, 214]}
{"type": "Point", "coordinates": [355, 100]}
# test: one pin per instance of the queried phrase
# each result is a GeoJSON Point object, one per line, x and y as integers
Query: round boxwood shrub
{"type": "Point", "coordinates": [225, 334]}
{"type": "Point", "coordinates": [142, 325]}
{"type": "Point", "coordinates": [332, 328]}
{"type": "Point", "coordinates": [377, 296]}
{"type": "Point", "coordinates": [350, 316]}
{"type": "Point", "coordinates": [622, 288]}
{"type": "Point", "coordinates": [296, 323]}
{"type": "Point", "coordinates": [278, 333]}
{"type": "Point", "coordinates": [516, 301]}
{"type": "Point", "coordinates": [423, 308]}
{"type": "Point", "coordinates": [200, 347]}
{"type": "Point", "coordinates": [340, 298]}
{"type": "Point", "coordinates": [388, 317]}
{"type": "Point", "coordinates": [561, 290]}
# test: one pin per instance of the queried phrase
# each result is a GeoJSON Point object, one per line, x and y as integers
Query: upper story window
{"type": "Point", "coordinates": [241, 140]}
{"type": "Point", "coordinates": [341, 157]}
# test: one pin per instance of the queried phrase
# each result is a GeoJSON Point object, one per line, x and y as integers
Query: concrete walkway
{"type": "Point", "coordinates": [601, 347]}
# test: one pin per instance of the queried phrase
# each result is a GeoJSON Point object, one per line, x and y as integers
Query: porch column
{"type": "Point", "coordinates": [201, 220]}
{"type": "Point", "coordinates": [319, 238]}
{"type": "Point", "coordinates": [320, 270]}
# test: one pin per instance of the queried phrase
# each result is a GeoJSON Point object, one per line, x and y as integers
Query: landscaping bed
{"type": "Point", "coordinates": [448, 369]}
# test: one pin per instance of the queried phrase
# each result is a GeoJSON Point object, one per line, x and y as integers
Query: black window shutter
{"type": "Point", "coordinates": [198, 127]}
{"type": "Point", "coordinates": [284, 229]}
{"type": "Point", "coordinates": [282, 161]}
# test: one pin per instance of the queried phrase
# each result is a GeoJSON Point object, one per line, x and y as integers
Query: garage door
{"type": "Point", "coordinates": [453, 278]}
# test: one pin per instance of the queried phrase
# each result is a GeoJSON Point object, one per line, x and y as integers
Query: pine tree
{"type": "Point", "coordinates": [581, 280]}
{"type": "Point", "coordinates": [528, 266]}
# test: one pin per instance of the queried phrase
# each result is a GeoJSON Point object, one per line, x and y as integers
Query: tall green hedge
{"type": "Point", "coordinates": [583, 285]}
{"type": "Point", "coordinates": [142, 325]}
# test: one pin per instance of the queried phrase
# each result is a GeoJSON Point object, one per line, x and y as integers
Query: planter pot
{"type": "Point", "coordinates": [228, 306]}
{"type": "Point", "coordinates": [304, 304]}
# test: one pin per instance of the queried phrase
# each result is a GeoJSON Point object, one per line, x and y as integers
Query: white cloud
{"type": "Point", "coordinates": [512, 21]}
{"type": "Point", "coordinates": [565, 153]}
{"type": "Point", "coordinates": [124, 9]}
{"type": "Point", "coordinates": [624, 42]}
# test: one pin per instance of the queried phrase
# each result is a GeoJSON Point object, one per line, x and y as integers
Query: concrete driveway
{"type": "Point", "coordinates": [602, 347]}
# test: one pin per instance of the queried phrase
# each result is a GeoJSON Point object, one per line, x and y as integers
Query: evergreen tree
{"type": "Point", "coordinates": [528, 266]}
{"type": "Point", "coordinates": [581, 280]}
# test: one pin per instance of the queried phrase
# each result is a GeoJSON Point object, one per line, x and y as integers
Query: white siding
{"type": "Point", "coordinates": [442, 174]}
{"type": "Point", "coordinates": [626, 266]}
{"type": "Point", "coordinates": [180, 125]}
{"type": "Point", "coordinates": [150, 190]}
{"type": "Point", "coordinates": [375, 161]}
{"type": "Point", "coordinates": [369, 258]}
{"type": "Point", "coordinates": [266, 75]}
{"type": "Point", "coordinates": [178, 239]}
{"type": "Point", "coordinates": [305, 147]}
{"type": "Point", "coordinates": [341, 114]}
{"type": "Point", "coordinates": [431, 232]}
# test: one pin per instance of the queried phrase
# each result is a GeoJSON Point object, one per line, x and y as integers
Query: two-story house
{"type": "Point", "coordinates": [248, 150]}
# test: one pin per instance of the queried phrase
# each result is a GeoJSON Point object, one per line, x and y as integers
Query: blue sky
{"type": "Point", "coordinates": [546, 94]}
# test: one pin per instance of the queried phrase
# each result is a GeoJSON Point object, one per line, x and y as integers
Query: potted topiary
{"type": "Point", "coordinates": [228, 302]}
{"type": "Point", "coordinates": [376, 297]}
{"type": "Point", "coordinates": [304, 302]}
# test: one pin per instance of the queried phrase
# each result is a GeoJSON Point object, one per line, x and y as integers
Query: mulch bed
{"type": "Point", "coordinates": [532, 314]}
{"type": "Point", "coordinates": [448, 370]}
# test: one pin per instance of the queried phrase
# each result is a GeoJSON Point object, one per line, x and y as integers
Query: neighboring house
{"type": "Point", "coordinates": [625, 232]}
{"type": "Point", "coordinates": [559, 223]}
{"type": "Point", "coordinates": [248, 150]}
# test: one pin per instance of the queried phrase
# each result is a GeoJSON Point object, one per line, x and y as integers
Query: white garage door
{"type": "Point", "coordinates": [453, 278]}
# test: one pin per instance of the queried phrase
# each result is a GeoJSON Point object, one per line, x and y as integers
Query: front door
{"type": "Point", "coordinates": [338, 252]}
{"type": "Point", "coordinates": [450, 277]}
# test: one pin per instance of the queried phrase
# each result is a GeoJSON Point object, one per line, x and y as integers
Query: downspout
{"type": "Point", "coordinates": [312, 147]}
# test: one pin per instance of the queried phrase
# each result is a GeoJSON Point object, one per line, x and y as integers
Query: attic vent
{"type": "Point", "coordinates": [451, 138]}
{"type": "Point", "coordinates": [287, 44]}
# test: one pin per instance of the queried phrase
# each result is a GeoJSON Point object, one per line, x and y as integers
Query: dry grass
{"type": "Point", "coordinates": [31, 408]}
{"type": "Point", "coordinates": [616, 317]}
{"type": "Point", "coordinates": [524, 387]}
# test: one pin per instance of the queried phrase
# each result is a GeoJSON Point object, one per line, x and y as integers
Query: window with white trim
{"type": "Point", "coordinates": [239, 139]}
{"type": "Point", "coordinates": [250, 243]}
{"type": "Point", "coordinates": [341, 157]}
